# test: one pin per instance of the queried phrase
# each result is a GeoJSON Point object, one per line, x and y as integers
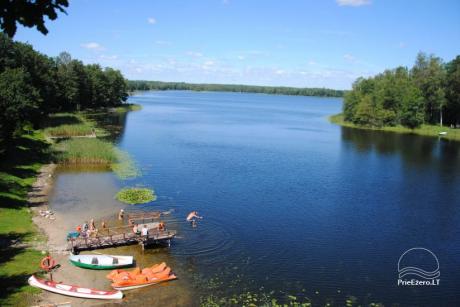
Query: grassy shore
{"type": "Point", "coordinates": [67, 125]}
{"type": "Point", "coordinates": [18, 259]}
{"type": "Point", "coordinates": [425, 130]}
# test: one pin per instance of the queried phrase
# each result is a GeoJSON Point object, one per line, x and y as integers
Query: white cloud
{"type": "Point", "coordinates": [353, 2]}
{"type": "Point", "coordinates": [349, 58]}
{"type": "Point", "coordinates": [151, 20]}
{"type": "Point", "coordinates": [402, 45]}
{"type": "Point", "coordinates": [93, 46]}
{"type": "Point", "coordinates": [241, 57]}
{"type": "Point", "coordinates": [311, 62]}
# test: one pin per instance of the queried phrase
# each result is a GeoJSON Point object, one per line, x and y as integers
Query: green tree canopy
{"type": "Point", "coordinates": [428, 93]}
{"type": "Point", "coordinates": [29, 13]}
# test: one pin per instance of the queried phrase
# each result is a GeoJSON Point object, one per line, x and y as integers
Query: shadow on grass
{"type": "Point", "coordinates": [11, 203]}
{"type": "Point", "coordinates": [12, 284]}
{"type": "Point", "coordinates": [58, 120]}
{"type": "Point", "coordinates": [10, 246]}
{"type": "Point", "coordinates": [12, 277]}
{"type": "Point", "coordinates": [24, 151]}
{"type": "Point", "coordinates": [19, 164]}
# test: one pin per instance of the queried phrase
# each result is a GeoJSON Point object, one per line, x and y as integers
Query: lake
{"type": "Point", "coordinates": [292, 203]}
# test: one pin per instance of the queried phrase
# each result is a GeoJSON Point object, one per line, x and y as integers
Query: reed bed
{"type": "Point", "coordinates": [84, 129]}
{"type": "Point", "coordinates": [68, 125]}
{"type": "Point", "coordinates": [86, 151]}
{"type": "Point", "coordinates": [126, 107]}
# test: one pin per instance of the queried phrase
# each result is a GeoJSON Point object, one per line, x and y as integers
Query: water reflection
{"type": "Point", "coordinates": [415, 151]}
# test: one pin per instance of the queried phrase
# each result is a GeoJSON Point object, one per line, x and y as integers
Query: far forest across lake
{"type": "Point", "coordinates": [142, 85]}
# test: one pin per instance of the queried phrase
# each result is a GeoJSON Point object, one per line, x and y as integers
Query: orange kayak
{"type": "Point", "coordinates": [154, 269]}
{"type": "Point", "coordinates": [142, 280]}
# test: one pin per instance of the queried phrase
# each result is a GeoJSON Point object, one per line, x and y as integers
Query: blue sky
{"type": "Point", "coordinates": [304, 43]}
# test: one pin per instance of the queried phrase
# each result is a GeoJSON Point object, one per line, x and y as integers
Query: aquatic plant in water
{"type": "Point", "coordinates": [125, 167]}
{"type": "Point", "coordinates": [134, 196]}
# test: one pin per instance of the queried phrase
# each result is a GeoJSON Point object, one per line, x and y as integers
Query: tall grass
{"type": "Point", "coordinates": [126, 107]}
{"type": "Point", "coordinates": [86, 151]}
{"type": "Point", "coordinates": [68, 125]}
{"type": "Point", "coordinates": [70, 130]}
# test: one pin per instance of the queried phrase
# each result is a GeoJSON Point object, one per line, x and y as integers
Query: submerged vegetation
{"type": "Point", "coordinates": [134, 196]}
{"type": "Point", "coordinates": [140, 85]}
{"type": "Point", "coordinates": [124, 167]}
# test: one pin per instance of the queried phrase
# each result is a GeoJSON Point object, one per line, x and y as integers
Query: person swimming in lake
{"type": "Point", "coordinates": [192, 217]}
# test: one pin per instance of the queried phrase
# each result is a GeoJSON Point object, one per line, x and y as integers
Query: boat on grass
{"type": "Point", "coordinates": [101, 262]}
{"type": "Point", "coordinates": [72, 290]}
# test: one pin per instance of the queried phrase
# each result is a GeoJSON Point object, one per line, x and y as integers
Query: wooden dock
{"type": "Point", "coordinates": [119, 236]}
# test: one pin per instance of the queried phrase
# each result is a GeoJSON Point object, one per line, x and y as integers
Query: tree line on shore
{"type": "Point", "coordinates": [428, 93]}
{"type": "Point", "coordinates": [33, 85]}
{"type": "Point", "coordinates": [141, 85]}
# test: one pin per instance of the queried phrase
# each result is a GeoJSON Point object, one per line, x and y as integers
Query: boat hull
{"type": "Point", "coordinates": [74, 291]}
{"type": "Point", "coordinates": [104, 262]}
{"type": "Point", "coordinates": [131, 287]}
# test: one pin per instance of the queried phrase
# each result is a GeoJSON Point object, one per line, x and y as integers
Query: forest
{"type": "Point", "coordinates": [33, 85]}
{"type": "Point", "coordinates": [140, 85]}
{"type": "Point", "coordinates": [428, 93]}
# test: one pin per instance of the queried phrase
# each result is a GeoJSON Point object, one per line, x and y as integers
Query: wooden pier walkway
{"type": "Point", "coordinates": [118, 236]}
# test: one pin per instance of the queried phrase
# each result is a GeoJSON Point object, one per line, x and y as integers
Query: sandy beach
{"type": "Point", "coordinates": [55, 230]}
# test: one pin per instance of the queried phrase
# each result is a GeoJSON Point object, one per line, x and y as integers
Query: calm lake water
{"type": "Point", "coordinates": [291, 203]}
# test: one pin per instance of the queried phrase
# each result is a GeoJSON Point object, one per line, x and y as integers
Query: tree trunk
{"type": "Point", "coordinates": [440, 116]}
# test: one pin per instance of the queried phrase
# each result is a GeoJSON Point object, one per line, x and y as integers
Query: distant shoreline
{"type": "Point", "coordinates": [424, 130]}
{"type": "Point", "coordinates": [143, 85]}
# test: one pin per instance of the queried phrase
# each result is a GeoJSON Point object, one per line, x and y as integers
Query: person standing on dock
{"type": "Point", "coordinates": [145, 230]}
{"type": "Point", "coordinates": [136, 229]}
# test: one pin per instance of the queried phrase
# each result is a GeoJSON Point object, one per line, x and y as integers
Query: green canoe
{"type": "Point", "coordinates": [101, 262]}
